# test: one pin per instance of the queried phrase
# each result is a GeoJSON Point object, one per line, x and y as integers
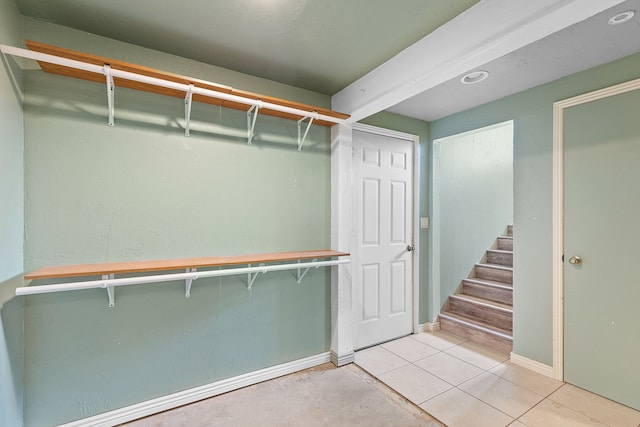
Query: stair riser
{"type": "Point", "coordinates": [487, 292]}
{"type": "Point", "coordinates": [500, 258]}
{"type": "Point", "coordinates": [510, 230]}
{"type": "Point", "coordinates": [489, 315]}
{"type": "Point", "coordinates": [498, 343]}
{"type": "Point", "coordinates": [505, 244]}
{"type": "Point", "coordinates": [504, 276]}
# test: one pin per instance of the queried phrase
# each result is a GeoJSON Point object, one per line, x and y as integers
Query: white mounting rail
{"type": "Point", "coordinates": [188, 89]}
{"type": "Point", "coordinates": [109, 283]}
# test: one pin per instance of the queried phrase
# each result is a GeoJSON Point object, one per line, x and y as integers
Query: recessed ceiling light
{"type": "Point", "coordinates": [621, 17]}
{"type": "Point", "coordinates": [474, 77]}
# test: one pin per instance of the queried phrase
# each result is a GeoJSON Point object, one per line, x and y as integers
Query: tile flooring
{"type": "Point", "coordinates": [464, 384]}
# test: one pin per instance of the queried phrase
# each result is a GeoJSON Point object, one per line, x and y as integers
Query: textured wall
{"type": "Point", "coordinates": [11, 354]}
{"type": "Point", "coordinates": [11, 147]}
{"type": "Point", "coordinates": [533, 139]}
{"type": "Point", "coordinates": [11, 221]}
{"type": "Point", "coordinates": [142, 190]}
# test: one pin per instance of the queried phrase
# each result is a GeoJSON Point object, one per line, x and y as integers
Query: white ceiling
{"type": "Point", "coordinates": [404, 56]}
{"type": "Point", "coordinates": [579, 47]}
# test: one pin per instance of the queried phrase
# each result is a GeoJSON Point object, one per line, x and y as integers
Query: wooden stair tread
{"type": "Point", "coordinates": [500, 251]}
{"type": "Point", "coordinates": [474, 323]}
{"type": "Point", "coordinates": [495, 266]}
{"type": "Point", "coordinates": [175, 264]}
{"type": "Point", "coordinates": [490, 283]}
{"type": "Point", "coordinates": [483, 301]}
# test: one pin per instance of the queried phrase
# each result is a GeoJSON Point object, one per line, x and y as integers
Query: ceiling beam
{"type": "Point", "coordinates": [483, 33]}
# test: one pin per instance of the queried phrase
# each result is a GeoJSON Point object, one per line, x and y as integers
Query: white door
{"type": "Point", "coordinates": [382, 262]}
{"type": "Point", "coordinates": [601, 211]}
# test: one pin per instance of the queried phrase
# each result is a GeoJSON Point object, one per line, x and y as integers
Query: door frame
{"type": "Point", "coordinates": [415, 279]}
{"type": "Point", "coordinates": [558, 211]}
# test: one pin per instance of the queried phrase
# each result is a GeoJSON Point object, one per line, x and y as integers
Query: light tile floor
{"type": "Point", "coordinates": [464, 384]}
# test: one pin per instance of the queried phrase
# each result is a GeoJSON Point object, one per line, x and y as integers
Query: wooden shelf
{"type": "Point", "coordinates": [175, 264]}
{"type": "Point", "coordinates": [150, 72]}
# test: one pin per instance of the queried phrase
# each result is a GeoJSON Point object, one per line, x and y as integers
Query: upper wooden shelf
{"type": "Point", "coordinates": [150, 72]}
{"type": "Point", "coordinates": [175, 264]}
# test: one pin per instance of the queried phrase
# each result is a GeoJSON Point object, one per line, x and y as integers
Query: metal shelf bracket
{"type": "Point", "coordinates": [302, 137]}
{"type": "Point", "coordinates": [110, 93]}
{"type": "Point", "coordinates": [252, 115]}
{"type": "Point", "coordinates": [301, 276]}
{"type": "Point", "coordinates": [252, 276]}
{"type": "Point", "coordinates": [111, 293]}
{"type": "Point", "coordinates": [188, 281]}
{"type": "Point", "coordinates": [187, 108]}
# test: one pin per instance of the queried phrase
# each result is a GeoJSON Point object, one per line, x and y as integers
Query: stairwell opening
{"type": "Point", "coordinates": [471, 204]}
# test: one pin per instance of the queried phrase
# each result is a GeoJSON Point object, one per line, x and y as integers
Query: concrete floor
{"type": "Point", "coordinates": [322, 396]}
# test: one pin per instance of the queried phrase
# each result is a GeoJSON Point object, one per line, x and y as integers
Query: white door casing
{"type": "Point", "coordinates": [383, 229]}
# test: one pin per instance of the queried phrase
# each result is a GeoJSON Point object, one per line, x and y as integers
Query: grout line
{"type": "Point", "coordinates": [562, 383]}
{"type": "Point", "coordinates": [489, 405]}
{"type": "Point", "coordinates": [378, 382]}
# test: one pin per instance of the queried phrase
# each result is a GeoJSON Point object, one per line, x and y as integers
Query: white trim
{"type": "Point", "coordinates": [361, 127]}
{"type": "Point", "coordinates": [154, 406]}
{"type": "Point", "coordinates": [416, 207]}
{"type": "Point", "coordinates": [532, 365]}
{"type": "Point", "coordinates": [344, 359]}
{"type": "Point", "coordinates": [428, 327]}
{"type": "Point", "coordinates": [558, 211]}
{"type": "Point", "coordinates": [416, 233]}
{"type": "Point", "coordinates": [342, 323]}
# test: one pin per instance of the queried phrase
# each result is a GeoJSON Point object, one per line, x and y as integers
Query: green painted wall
{"type": "Point", "coordinates": [11, 353]}
{"type": "Point", "coordinates": [11, 222]}
{"type": "Point", "coordinates": [472, 201]}
{"type": "Point", "coordinates": [11, 147]}
{"type": "Point", "coordinates": [533, 138]}
{"type": "Point", "coordinates": [142, 190]}
{"type": "Point", "coordinates": [421, 128]}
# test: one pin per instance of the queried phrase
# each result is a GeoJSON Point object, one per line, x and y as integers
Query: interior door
{"type": "Point", "coordinates": [602, 209]}
{"type": "Point", "coordinates": [382, 261]}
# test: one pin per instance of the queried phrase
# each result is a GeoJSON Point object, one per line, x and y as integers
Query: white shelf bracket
{"type": "Point", "coordinates": [188, 281]}
{"type": "Point", "coordinates": [188, 98]}
{"type": "Point", "coordinates": [301, 276]}
{"type": "Point", "coordinates": [252, 276]}
{"type": "Point", "coordinates": [252, 115]}
{"type": "Point", "coordinates": [302, 137]}
{"type": "Point", "coordinates": [111, 293]}
{"type": "Point", "coordinates": [110, 93]}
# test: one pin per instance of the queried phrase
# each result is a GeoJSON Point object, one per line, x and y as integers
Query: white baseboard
{"type": "Point", "coordinates": [154, 406]}
{"type": "Point", "coordinates": [428, 327]}
{"type": "Point", "coordinates": [345, 359]}
{"type": "Point", "coordinates": [533, 365]}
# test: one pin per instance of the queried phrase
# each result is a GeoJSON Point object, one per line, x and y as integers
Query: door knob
{"type": "Point", "coordinates": [575, 260]}
{"type": "Point", "coordinates": [411, 248]}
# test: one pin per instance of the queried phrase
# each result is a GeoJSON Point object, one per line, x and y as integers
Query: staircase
{"type": "Point", "coordinates": [481, 310]}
